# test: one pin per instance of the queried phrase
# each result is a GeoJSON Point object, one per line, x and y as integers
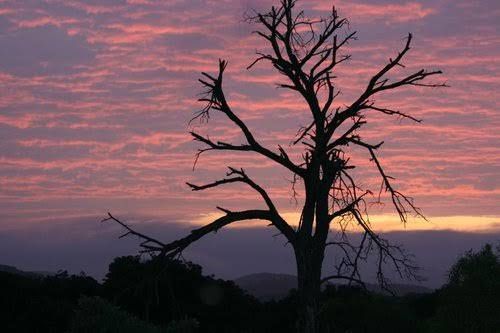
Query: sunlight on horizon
{"type": "Point", "coordinates": [387, 223]}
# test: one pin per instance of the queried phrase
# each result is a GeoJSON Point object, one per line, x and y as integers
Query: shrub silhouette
{"type": "Point", "coordinates": [470, 301]}
{"type": "Point", "coordinates": [95, 314]}
{"type": "Point", "coordinates": [162, 291]}
{"type": "Point", "coordinates": [41, 304]}
{"type": "Point", "coordinates": [171, 296]}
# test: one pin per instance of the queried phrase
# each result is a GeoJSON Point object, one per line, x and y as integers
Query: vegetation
{"type": "Point", "coordinates": [95, 314]}
{"type": "Point", "coordinates": [162, 291]}
{"type": "Point", "coordinates": [470, 302]}
{"type": "Point", "coordinates": [171, 296]}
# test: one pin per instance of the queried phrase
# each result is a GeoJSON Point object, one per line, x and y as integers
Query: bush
{"type": "Point", "coordinates": [41, 304]}
{"type": "Point", "coordinates": [469, 302]}
{"type": "Point", "coordinates": [164, 291]}
{"type": "Point", "coordinates": [94, 314]}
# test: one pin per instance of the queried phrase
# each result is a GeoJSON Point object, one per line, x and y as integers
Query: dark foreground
{"type": "Point", "coordinates": [152, 296]}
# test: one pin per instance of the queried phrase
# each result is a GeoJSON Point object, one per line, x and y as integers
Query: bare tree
{"type": "Point", "coordinates": [306, 52]}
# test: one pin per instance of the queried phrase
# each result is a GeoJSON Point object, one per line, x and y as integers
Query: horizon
{"type": "Point", "coordinates": [95, 108]}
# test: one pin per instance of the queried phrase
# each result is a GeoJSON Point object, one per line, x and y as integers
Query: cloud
{"type": "Point", "coordinates": [389, 12]}
{"type": "Point", "coordinates": [95, 99]}
{"type": "Point", "coordinates": [45, 50]}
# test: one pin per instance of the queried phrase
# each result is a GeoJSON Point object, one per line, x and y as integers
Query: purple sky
{"type": "Point", "coordinates": [95, 99]}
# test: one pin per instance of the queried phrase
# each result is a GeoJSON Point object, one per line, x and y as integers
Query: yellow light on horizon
{"type": "Point", "coordinates": [390, 223]}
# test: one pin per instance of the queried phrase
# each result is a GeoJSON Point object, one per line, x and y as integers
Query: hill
{"type": "Point", "coordinates": [267, 286]}
{"type": "Point", "coordinates": [270, 286]}
{"type": "Point", "coordinates": [15, 270]}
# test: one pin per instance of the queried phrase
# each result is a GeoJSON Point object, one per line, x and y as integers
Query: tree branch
{"type": "Point", "coordinates": [390, 112]}
{"type": "Point", "coordinates": [347, 209]}
{"type": "Point", "coordinates": [401, 261]}
{"type": "Point", "coordinates": [242, 177]}
{"type": "Point", "coordinates": [217, 101]}
{"type": "Point", "coordinates": [343, 277]}
{"type": "Point", "coordinates": [158, 246]}
{"type": "Point", "coordinates": [176, 247]}
{"type": "Point", "coordinates": [378, 83]}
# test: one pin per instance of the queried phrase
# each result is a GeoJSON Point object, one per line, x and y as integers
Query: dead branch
{"type": "Point", "coordinates": [147, 240]}
{"type": "Point", "coordinates": [242, 177]}
{"type": "Point", "coordinates": [216, 100]}
{"type": "Point", "coordinates": [176, 247]}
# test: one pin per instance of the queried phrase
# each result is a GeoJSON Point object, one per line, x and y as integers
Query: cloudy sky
{"type": "Point", "coordinates": [96, 96]}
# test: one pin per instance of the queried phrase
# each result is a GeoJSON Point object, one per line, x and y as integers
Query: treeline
{"type": "Point", "coordinates": [172, 296]}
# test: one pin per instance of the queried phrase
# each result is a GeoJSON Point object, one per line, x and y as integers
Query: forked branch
{"type": "Point", "coordinates": [379, 83]}
{"type": "Point", "coordinates": [240, 176]}
{"type": "Point", "coordinates": [148, 243]}
{"type": "Point", "coordinates": [216, 100]}
{"type": "Point", "coordinates": [176, 247]}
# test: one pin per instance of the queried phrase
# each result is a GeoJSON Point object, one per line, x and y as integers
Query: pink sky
{"type": "Point", "coordinates": [95, 99]}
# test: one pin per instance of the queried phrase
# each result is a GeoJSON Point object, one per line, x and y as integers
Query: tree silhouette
{"type": "Point", "coordinates": [306, 53]}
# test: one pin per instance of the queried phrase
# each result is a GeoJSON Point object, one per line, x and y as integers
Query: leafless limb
{"type": "Point", "coordinates": [175, 248]}
{"type": "Point", "coordinates": [216, 100]}
{"type": "Point", "coordinates": [242, 177]}
{"type": "Point", "coordinates": [147, 241]}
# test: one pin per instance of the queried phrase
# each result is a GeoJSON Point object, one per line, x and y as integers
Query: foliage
{"type": "Point", "coordinates": [470, 302]}
{"type": "Point", "coordinates": [182, 326]}
{"type": "Point", "coordinates": [41, 304]}
{"type": "Point", "coordinates": [162, 291]}
{"type": "Point", "coordinates": [171, 296]}
{"type": "Point", "coordinates": [95, 314]}
{"type": "Point", "coordinates": [354, 310]}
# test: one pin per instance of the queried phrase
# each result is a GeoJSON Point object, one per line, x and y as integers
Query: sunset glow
{"type": "Point", "coordinates": [96, 96]}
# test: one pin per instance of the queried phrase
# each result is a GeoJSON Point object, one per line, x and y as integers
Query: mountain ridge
{"type": "Point", "coordinates": [17, 271]}
{"type": "Point", "coordinates": [274, 286]}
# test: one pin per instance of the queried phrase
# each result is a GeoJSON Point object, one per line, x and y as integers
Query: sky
{"type": "Point", "coordinates": [96, 98]}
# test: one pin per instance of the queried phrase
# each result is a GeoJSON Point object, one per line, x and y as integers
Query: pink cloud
{"type": "Point", "coordinates": [117, 127]}
{"type": "Point", "coordinates": [364, 12]}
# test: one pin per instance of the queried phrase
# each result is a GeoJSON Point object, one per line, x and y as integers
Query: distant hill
{"type": "Point", "coordinates": [270, 286]}
{"type": "Point", "coordinates": [15, 270]}
{"type": "Point", "coordinates": [400, 289]}
{"type": "Point", "coordinates": [267, 286]}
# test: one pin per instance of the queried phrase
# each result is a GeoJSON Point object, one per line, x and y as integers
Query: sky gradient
{"type": "Point", "coordinates": [96, 96]}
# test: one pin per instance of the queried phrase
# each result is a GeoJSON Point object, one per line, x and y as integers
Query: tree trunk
{"type": "Point", "coordinates": [309, 264]}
